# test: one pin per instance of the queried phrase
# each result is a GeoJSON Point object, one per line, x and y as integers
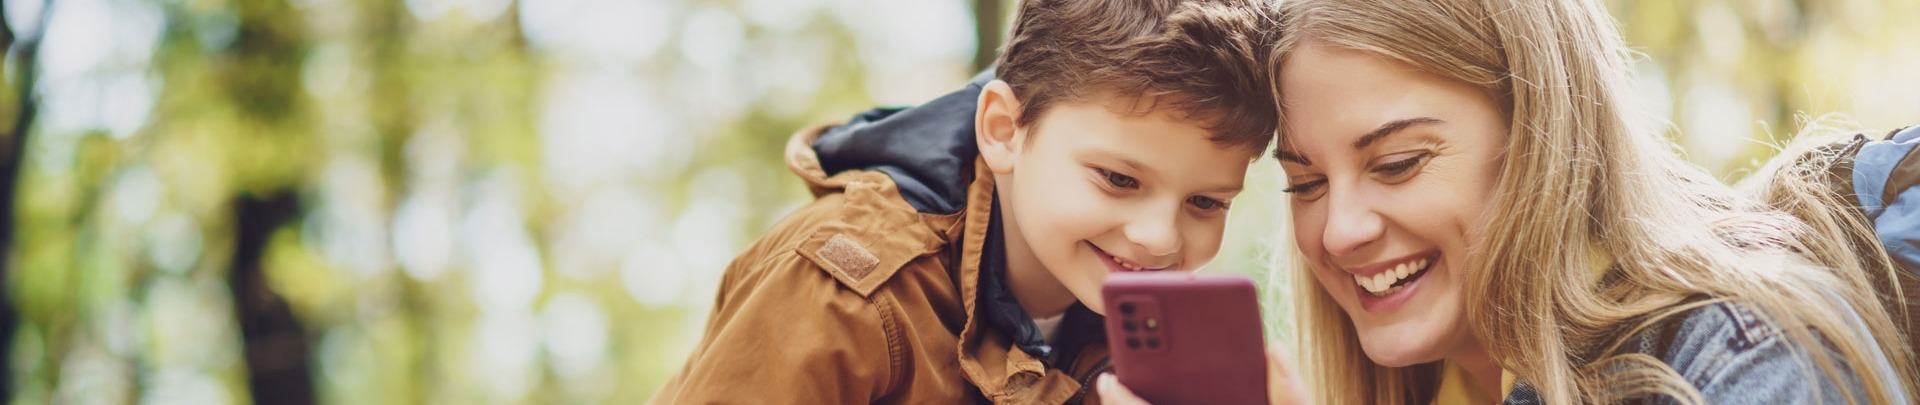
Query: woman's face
{"type": "Point", "coordinates": [1390, 170]}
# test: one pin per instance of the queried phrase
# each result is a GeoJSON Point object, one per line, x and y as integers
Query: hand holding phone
{"type": "Point", "coordinates": [1185, 338]}
{"type": "Point", "coordinates": [1283, 386]}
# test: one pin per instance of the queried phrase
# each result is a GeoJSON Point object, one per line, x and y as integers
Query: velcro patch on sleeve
{"type": "Point", "coordinates": [847, 257]}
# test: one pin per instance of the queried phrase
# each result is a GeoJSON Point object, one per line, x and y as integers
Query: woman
{"type": "Point", "coordinates": [1474, 203]}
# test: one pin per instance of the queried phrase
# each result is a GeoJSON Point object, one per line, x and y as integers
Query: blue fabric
{"type": "Point", "coordinates": [997, 302]}
{"type": "Point", "coordinates": [1897, 223]}
{"type": "Point", "coordinates": [1734, 356]}
{"type": "Point", "coordinates": [928, 149]}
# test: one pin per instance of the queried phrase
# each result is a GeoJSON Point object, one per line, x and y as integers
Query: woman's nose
{"type": "Point", "coordinates": [1351, 224]}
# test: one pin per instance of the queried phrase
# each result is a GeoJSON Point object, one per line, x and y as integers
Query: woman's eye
{"type": "Point", "coordinates": [1306, 190]}
{"type": "Point", "coordinates": [1118, 180]}
{"type": "Point", "coordinates": [1206, 203]}
{"type": "Point", "coordinates": [1399, 168]}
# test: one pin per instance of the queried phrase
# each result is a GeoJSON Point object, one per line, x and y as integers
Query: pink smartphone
{"type": "Point", "coordinates": [1185, 338]}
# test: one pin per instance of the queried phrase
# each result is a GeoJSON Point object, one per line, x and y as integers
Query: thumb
{"type": "Point", "coordinates": [1112, 393]}
{"type": "Point", "coordinates": [1283, 384]}
{"type": "Point", "coordinates": [1279, 364]}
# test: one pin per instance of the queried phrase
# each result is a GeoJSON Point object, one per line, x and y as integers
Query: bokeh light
{"type": "Point", "coordinates": [533, 201]}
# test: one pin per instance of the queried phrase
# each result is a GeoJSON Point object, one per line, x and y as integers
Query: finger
{"type": "Point", "coordinates": [1279, 363]}
{"type": "Point", "coordinates": [1112, 393]}
{"type": "Point", "coordinates": [1283, 386]}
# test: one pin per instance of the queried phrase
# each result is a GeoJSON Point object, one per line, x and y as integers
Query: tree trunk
{"type": "Point", "coordinates": [12, 151]}
{"type": "Point", "coordinates": [986, 33]}
{"type": "Point", "coordinates": [279, 365]}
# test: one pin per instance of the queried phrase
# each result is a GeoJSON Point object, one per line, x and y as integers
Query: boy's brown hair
{"type": "Point", "coordinates": [1202, 58]}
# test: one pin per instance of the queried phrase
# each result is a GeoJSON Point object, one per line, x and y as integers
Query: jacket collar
{"type": "Point", "coordinates": [1000, 351]}
{"type": "Point", "coordinates": [991, 355]}
{"type": "Point", "coordinates": [1003, 311]}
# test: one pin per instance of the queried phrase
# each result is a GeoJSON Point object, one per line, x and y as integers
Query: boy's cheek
{"type": "Point", "coordinates": [1201, 255]}
{"type": "Point", "coordinates": [1205, 243]}
{"type": "Point", "coordinates": [1073, 203]}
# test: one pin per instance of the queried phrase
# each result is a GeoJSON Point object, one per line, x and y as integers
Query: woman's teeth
{"type": "Point", "coordinates": [1382, 284]}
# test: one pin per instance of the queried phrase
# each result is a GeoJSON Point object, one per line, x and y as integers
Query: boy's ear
{"type": "Point", "coordinates": [996, 126]}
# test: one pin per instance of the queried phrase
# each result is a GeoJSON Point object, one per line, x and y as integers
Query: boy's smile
{"type": "Point", "coordinates": [1115, 264]}
{"type": "Point", "coordinates": [1094, 188]}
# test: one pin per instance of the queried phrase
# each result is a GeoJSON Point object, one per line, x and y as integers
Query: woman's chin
{"type": "Point", "coordinates": [1397, 354]}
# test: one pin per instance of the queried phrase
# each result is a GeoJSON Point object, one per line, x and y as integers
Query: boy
{"type": "Point", "coordinates": [955, 250]}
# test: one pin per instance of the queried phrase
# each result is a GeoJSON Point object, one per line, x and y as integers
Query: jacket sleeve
{"type": "Point", "coordinates": [1734, 356]}
{"type": "Point", "coordinates": [783, 331]}
{"type": "Point", "coordinates": [1884, 180]}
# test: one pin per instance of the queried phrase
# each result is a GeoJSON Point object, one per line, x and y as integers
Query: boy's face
{"type": "Point", "coordinates": [1090, 189]}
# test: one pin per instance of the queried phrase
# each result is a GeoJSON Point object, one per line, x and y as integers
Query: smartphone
{"type": "Point", "coordinates": [1186, 338]}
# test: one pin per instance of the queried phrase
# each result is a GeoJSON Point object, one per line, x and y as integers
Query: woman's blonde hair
{"type": "Point", "coordinates": [1580, 172]}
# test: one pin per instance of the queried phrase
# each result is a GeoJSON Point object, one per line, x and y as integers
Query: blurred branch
{"type": "Point", "coordinates": [6, 31]}
{"type": "Point", "coordinates": [279, 369]}
{"type": "Point", "coordinates": [264, 68]}
{"type": "Point", "coordinates": [12, 152]}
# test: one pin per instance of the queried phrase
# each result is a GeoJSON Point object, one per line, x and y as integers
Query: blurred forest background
{"type": "Point", "coordinates": [500, 201]}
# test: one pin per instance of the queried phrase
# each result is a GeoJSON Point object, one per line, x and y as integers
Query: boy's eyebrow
{"type": "Point", "coordinates": [1136, 167]}
{"type": "Point", "coordinates": [1224, 190]}
{"type": "Point", "coordinates": [1391, 128]}
{"type": "Point", "coordinates": [1131, 165]}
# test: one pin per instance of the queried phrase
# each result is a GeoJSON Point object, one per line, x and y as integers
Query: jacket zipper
{"type": "Point", "coordinates": [1086, 381]}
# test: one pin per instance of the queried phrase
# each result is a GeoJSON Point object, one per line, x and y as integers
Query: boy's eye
{"type": "Point", "coordinates": [1118, 180]}
{"type": "Point", "coordinates": [1398, 170]}
{"type": "Point", "coordinates": [1307, 190]}
{"type": "Point", "coordinates": [1206, 203]}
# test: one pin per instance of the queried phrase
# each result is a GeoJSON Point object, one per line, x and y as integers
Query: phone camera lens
{"type": "Point", "coordinates": [1134, 343]}
{"type": "Point", "coordinates": [1126, 307]}
{"type": "Point", "coordinates": [1153, 343]}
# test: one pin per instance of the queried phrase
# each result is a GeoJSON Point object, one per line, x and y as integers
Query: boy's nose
{"type": "Point", "coordinates": [1351, 225]}
{"type": "Point", "coordinates": [1157, 234]}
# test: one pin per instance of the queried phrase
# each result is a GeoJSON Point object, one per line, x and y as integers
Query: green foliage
{"type": "Point", "coordinates": [507, 202]}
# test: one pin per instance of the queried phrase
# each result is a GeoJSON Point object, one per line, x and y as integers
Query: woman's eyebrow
{"type": "Point", "coordinates": [1285, 156]}
{"type": "Point", "coordinates": [1391, 128]}
{"type": "Point", "coordinates": [1375, 135]}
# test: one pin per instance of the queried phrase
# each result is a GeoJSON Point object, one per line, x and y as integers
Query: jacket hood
{"type": "Point", "coordinates": [927, 149]}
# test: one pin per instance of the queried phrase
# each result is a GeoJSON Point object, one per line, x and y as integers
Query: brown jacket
{"type": "Point", "coordinates": [860, 298]}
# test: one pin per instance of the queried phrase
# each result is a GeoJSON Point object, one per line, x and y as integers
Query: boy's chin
{"type": "Point", "coordinates": [1096, 307]}
{"type": "Point", "coordinates": [1083, 285]}
{"type": "Point", "coordinates": [1092, 300]}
